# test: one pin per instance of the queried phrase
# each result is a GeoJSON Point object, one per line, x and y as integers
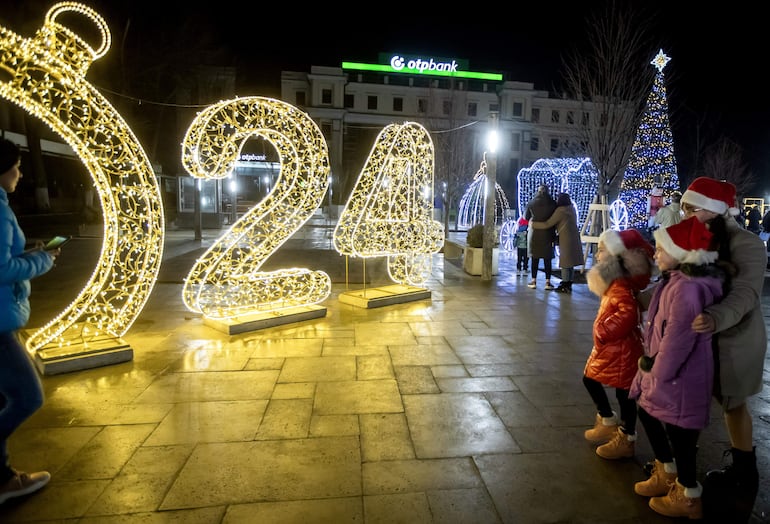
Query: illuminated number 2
{"type": "Point", "coordinates": [226, 282]}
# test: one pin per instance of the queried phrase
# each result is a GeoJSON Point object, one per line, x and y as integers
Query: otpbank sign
{"type": "Point", "coordinates": [422, 65]}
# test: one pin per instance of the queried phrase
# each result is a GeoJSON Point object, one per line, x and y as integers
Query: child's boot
{"type": "Point", "coordinates": [621, 445]}
{"type": "Point", "coordinates": [603, 430]}
{"type": "Point", "coordinates": [680, 502]}
{"type": "Point", "coordinates": [659, 482]}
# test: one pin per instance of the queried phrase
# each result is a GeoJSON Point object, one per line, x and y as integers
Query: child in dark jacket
{"type": "Point", "coordinates": [622, 267]}
{"type": "Point", "coordinates": [673, 386]}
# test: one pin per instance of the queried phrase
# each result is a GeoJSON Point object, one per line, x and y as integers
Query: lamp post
{"type": "Point", "coordinates": [489, 202]}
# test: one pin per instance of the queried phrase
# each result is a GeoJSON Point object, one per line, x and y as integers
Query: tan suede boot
{"type": "Point", "coordinates": [658, 484]}
{"type": "Point", "coordinates": [677, 503]}
{"type": "Point", "coordinates": [619, 446]}
{"type": "Point", "coordinates": [603, 430]}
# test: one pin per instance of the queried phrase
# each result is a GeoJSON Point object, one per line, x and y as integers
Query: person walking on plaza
{"type": "Point", "coordinates": [623, 267]}
{"type": "Point", "coordinates": [670, 214]}
{"type": "Point", "coordinates": [754, 218]}
{"type": "Point", "coordinates": [564, 218]}
{"type": "Point", "coordinates": [673, 386]}
{"type": "Point", "coordinates": [522, 253]}
{"type": "Point", "coordinates": [21, 393]}
{"type": "Point", "coordinates": [541, 241]}
{"type": "Point", "coordinates": [740, 338]}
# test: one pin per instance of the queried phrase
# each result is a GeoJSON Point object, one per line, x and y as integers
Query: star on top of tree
{"type": "Point", "coordinates": [660, 60]}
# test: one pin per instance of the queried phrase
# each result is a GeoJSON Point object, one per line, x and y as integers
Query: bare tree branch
{"type": "Point", "coordinates": [611, 79]}
{"type": "Point", "coordinates": [723, 160]}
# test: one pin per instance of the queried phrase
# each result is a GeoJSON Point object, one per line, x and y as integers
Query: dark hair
{"type": "Point", "coordinates": [9, 154]}
{"type": "Point", "coordinates": [563, 200]}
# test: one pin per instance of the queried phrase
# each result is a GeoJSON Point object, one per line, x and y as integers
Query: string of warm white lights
{"type": "Point", "coordinates": [226, 282]}
{"type": "Point", "coordinates": [389, 211]}
{"type": "Point", "coordinates": [45, 75]}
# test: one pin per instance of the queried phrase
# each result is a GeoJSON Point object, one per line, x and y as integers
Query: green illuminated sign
{"type": "Point", "coordinates": [422, 66]}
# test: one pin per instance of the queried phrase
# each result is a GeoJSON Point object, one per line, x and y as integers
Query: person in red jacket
{"type": "Point", "coordinates": [623, 267]}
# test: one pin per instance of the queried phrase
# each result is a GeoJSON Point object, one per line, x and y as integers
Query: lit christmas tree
{"type": "Point", "coordinates": [652, 166]}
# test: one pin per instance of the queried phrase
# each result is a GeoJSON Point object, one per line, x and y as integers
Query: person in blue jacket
{"type": "Point", "coordinates": [674, 383]}
{"type": "Point", "coordinates": [21, 393]}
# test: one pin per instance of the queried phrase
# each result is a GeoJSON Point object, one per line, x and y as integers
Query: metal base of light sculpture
{"type": "Point", "coordinates": [374, 297]}
{"type": "Point", "coordinates": [265, 319]}
{"type": "Point", "coordinates": [79, 353]}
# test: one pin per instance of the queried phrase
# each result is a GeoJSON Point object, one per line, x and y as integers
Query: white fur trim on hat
{"type": "Point", "coordinates": [695, 256]}
{"type": "Point", "coordinates": [712, 195]}
{"type": "Point", "coordinates": [612, 241]}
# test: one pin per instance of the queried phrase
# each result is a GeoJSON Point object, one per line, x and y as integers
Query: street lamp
{"type": "Point", "coordinates": [489, 202]}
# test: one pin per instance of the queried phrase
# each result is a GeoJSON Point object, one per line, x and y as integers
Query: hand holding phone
{"type": "Point", "coordinates": [56, 242]}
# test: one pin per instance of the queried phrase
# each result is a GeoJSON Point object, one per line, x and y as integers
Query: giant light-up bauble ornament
{"type": "Point", "coordinates": [226, 282]}
{"type": "Point", "coordinates": [45, 75]}
{"type": "Point", "coordinates": [389, 212]}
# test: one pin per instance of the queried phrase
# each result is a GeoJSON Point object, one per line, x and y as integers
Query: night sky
{"type": "Point", "coordinates": [714, 77]}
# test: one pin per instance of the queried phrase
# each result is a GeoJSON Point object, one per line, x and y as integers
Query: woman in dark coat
{"type": "Point", "coordinates": [570, 247]}
{"type": "Point", "coordinates": [540, 208]}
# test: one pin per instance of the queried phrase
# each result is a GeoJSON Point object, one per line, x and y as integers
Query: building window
{"type": "Point", "coordinates": [422, 105]}
{"type": "Point", "coordinates": [472, 109]}
{"type": "Point", "coordinates": [350, 101]}
{"type": "Point", "coordinates": [554, 145]}
{"type": "Point", "coordinates": [515, 141]}
{"type": "Point", "coordinates": [534, 143]}
{"type": "Point", "coordinates": [494, 108]}
{"type": "Point", "coordinates": [586, 118]}
{"type": "Point", "coordinates": [555, 116]}
{"type": "Point", "coordinates": [518, 109]}
{"type": "Point", "coordinates": [326, 96]}
{"type": "Point", "coordinates": [535, 115]}
{"type": "Point", "coordinates": [570, 117]}
{"type": "Point", "coordinates": [398, 103]}
{"type": "Point", "coordinates": [371, 102]}
{"type": "Point", "coordinates": [447, 107]}
{"type": "Point", "coordinates": [300, 98]}
{"type": "Point", "coordinates": [326, 130]}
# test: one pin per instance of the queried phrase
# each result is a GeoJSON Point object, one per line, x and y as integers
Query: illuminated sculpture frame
{"type": "Point", "coordinates": [45, 76]}
{"type": "Point", "coordinates": [473, 202]}
{"type": "Point", "coordinates": [389, 211]}
{"type": "Point", "coordinates": [226, 282]}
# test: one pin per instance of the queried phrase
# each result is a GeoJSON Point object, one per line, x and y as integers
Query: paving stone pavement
{"type": "Point", "coordinates": [467, 407]}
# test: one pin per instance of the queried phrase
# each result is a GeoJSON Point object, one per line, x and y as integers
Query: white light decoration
{"type": "Point", "coordinates": [226, 281]}
{"type": "Point", "coordinates": [45, 76]}
{"type": "Point", "coordinates": [389, 211]}
{"type": "Point", "coordinates": [473, 201]}
{"type": "Point", "coordinates": [576, 176]}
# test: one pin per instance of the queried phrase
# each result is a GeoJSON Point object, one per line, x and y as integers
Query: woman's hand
{"type": "Point", "coordinates": [704, 323]}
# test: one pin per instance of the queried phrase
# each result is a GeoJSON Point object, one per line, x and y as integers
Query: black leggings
{"type": "Point", "coordinates": [546, 265]}
{"type": "Point", "coordinates": [673, 443]}
{"type": "Point", "coordinates": [627, 405]}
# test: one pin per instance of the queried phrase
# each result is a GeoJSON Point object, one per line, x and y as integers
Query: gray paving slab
{"type": "Point", "coordinates": [465, 407]}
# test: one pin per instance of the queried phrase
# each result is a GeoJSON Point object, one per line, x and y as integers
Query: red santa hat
{"type": "Point", "coordinates": [712, 195]}
{"type": "Point", "coordinates": [688, 242]}
{"type": "Point", "coordinates": [523, 221]}
{"type": "Point", "coordinates": [617, 242]}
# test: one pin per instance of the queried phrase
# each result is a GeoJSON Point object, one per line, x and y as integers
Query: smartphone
{"type": "Point", "coordinates": [57, 242]}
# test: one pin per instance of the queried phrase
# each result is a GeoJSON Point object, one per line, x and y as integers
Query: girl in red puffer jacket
{"type": "Point", "coordinates": [623, 267]}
